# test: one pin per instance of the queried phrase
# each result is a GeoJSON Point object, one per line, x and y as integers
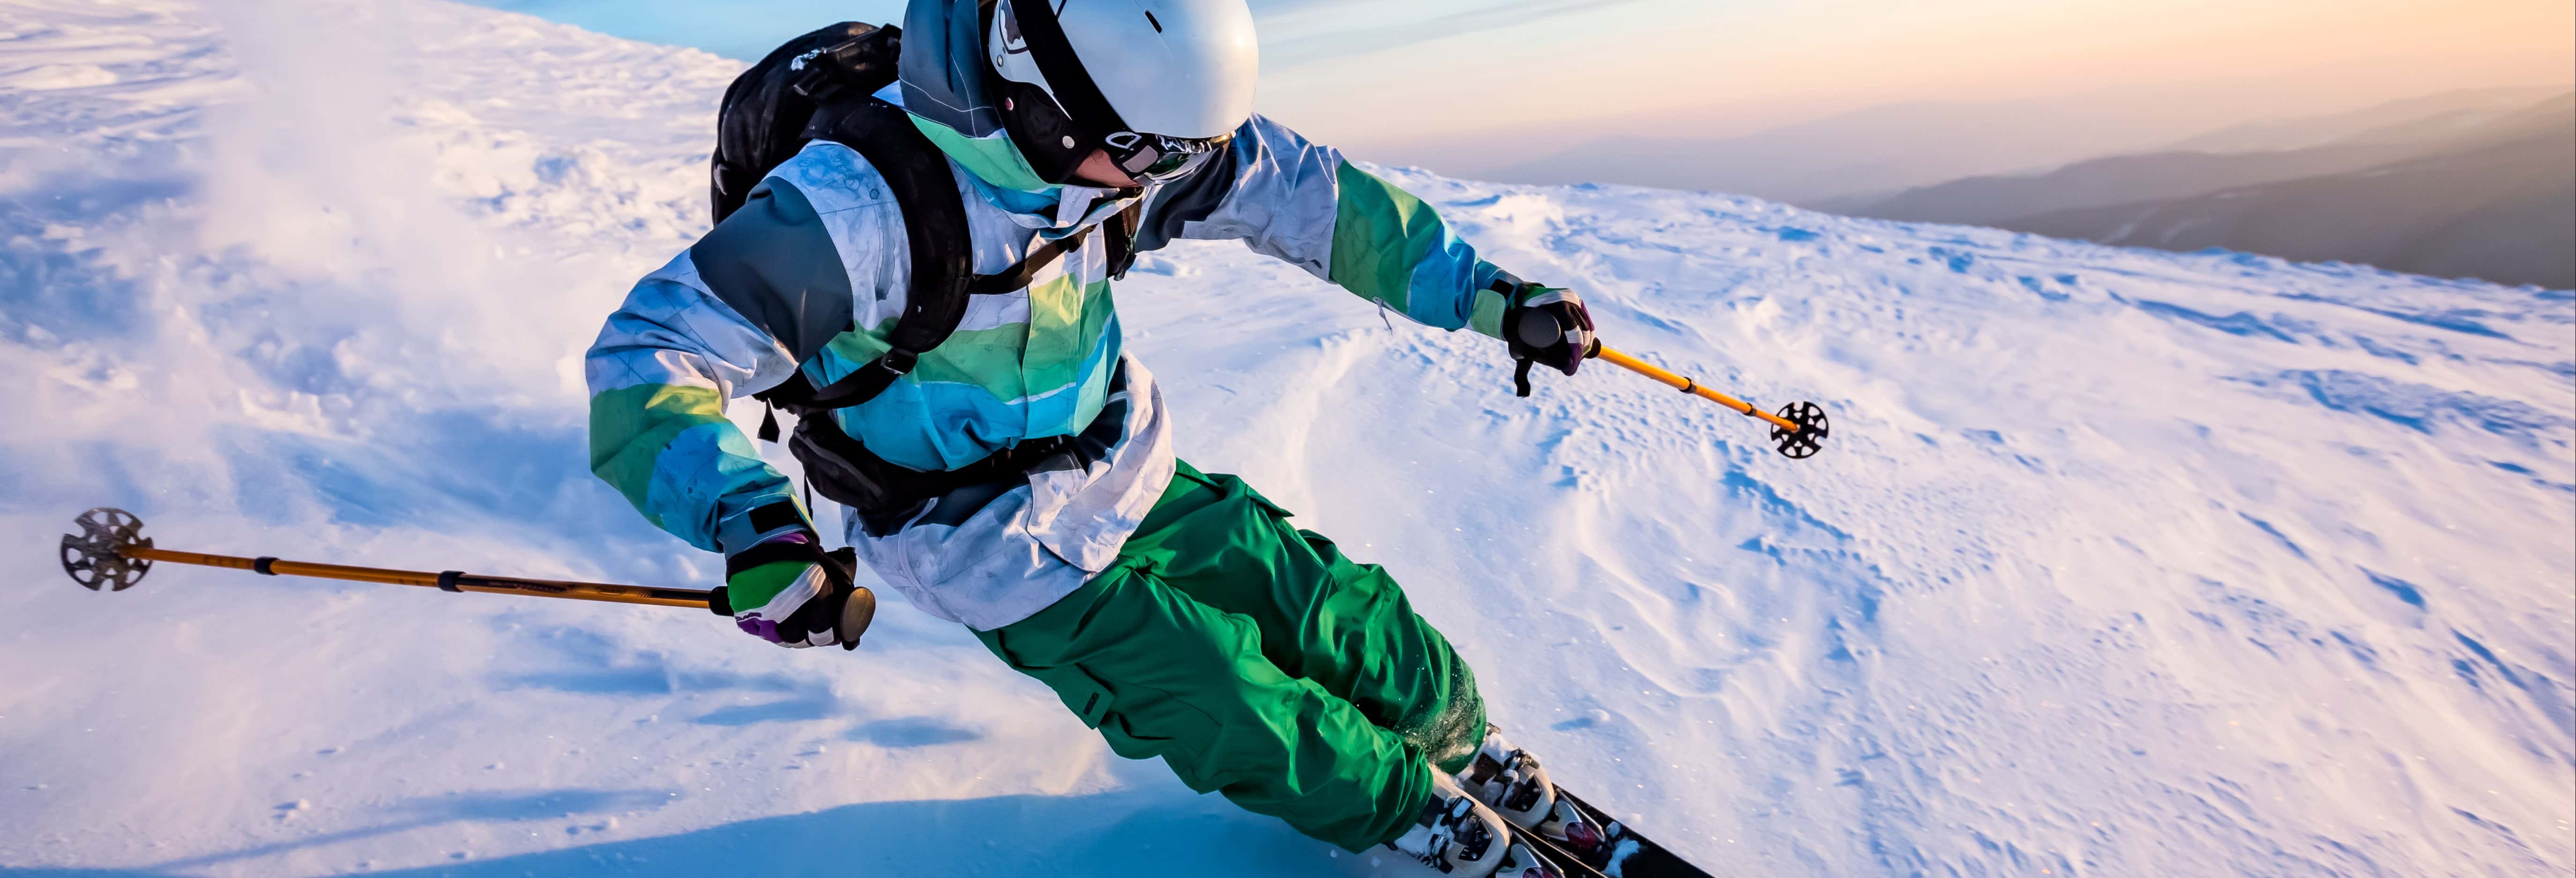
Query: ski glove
{"type": "Point", "coordinates": [790, 592]}
{"type": "Point", "coordinates": [1544, 325]}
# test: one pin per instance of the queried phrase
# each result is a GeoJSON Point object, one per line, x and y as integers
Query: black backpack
{"type": "Point", "coordinates": [765, 112]}
{"type": "Point", "coordinates": [820, 86]}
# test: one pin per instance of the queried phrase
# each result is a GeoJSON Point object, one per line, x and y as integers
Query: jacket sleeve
{"type": "Point", "coordinates": [1303, 203]}
{"type": "Point", "coordinates": [728, 318]}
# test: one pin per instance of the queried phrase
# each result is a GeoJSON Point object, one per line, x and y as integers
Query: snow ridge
{"type": "Point", "coordinates": [2119, 563]}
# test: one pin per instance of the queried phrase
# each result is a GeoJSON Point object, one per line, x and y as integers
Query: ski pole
{"type": "Point", "coordinates": [1798, 431]}
{"type": "Point", "coordinates": [112, 553]}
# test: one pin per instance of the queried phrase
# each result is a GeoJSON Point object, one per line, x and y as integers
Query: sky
{"type": "Point", "coordinates": [1460, 84]}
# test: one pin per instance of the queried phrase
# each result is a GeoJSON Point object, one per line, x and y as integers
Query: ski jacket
{"type": "Point", "coordinates": [1042, 361]}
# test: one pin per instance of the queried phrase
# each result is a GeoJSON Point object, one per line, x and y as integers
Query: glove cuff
{"type": "Point", "coordinates": [1518, 293]}
{"type": "Point", "coordinates": [801, 546]}
{"type": "Point", "coordinates": [759, 525]}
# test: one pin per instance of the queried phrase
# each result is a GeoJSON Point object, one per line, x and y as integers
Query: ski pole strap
{"type": "Point", "coordinates": [1511, 286]}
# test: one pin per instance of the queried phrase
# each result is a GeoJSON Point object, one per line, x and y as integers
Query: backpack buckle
{"type": "Point", "coordinates": [822, 72]}
{"type": "Point", "coordinates": [818, 75]}
{"type": "Point", "coordinates": [897, 361]}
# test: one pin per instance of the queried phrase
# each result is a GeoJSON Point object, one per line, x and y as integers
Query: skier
{"type": "Point", "coordinates": [1018, 476]}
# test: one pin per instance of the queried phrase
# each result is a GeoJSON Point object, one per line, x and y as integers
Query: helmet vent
{"type": "Point", "coordinates": [1158, 24]}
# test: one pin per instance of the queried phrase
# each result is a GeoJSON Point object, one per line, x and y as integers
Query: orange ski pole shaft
{"type": "Point", "coordinates": [1798, 430]}
{"type": "Point", "coordinates": [111, 554]}
{"type": "Point", "coordinates": [450, 580]}
{"type": "Point", "coordinates": [1691, 386]}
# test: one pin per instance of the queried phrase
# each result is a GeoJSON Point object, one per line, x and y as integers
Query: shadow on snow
{"type": "Point", "coordinates": [1110, 834]}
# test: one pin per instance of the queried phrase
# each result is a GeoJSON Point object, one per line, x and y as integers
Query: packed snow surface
{"type": "Point", "coordinates": [2118, 563]}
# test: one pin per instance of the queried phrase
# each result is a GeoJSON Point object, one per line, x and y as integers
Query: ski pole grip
{"type": "Point", "coordinates": [1538, 328]}
{"type": "Point", "coordinates": [857, 614]}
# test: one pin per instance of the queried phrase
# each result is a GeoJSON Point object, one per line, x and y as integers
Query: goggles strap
{"type": "Point", "coordinates": [1072, 86]}
{"type": "Point", "coordinates": [1138, 154]}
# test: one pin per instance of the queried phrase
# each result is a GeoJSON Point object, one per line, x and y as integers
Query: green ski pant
{"type": "Point", "coordinates": [1259, 663]}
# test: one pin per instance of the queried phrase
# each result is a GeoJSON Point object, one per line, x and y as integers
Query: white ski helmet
{"type": "Point", "coordinates": [1156, 83]}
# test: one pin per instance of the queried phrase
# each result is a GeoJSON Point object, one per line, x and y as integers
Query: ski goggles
{"type": "Point", "coordinates": [1154, 158]}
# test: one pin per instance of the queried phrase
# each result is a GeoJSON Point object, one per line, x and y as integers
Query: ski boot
{"type": "Point", "coordinates": [1458, 836]}
{"type": "Point", "coordinates": [1511, 781]}
{"type": "Point", "coordinates": [1521, 862]}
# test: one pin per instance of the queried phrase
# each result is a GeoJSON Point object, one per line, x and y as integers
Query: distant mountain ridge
{"type": "Point", "coordinates": [2399, 120]}
{"type": "Point", "coordinates": [2461, 190]}
{"type": "Point", "coordinates": [1885, 149]}
{"type": "Point", "coordinates": [2115, 180]}
{"type": "Point", "coordinates": [2498, 206]}
{"type": "Point", "coordinates": [2444, 121]}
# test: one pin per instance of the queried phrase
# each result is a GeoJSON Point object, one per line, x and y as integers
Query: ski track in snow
{"type": "Point", "coordinates": [2118, 563]}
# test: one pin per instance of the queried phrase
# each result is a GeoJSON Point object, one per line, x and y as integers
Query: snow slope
{"type": "Point", "coordinates": [2120, 562]}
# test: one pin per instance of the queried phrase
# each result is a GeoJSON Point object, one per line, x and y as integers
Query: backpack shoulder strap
{"type": "Point", "coordinates": [1121, 230]}
{"type": "Point", "coordinates": [935, 231]}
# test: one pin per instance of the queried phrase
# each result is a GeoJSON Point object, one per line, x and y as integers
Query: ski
{"type": "Point", "coordinates": [1566, 863]}
{"type": "Point", "coordinates": [1615, 849]}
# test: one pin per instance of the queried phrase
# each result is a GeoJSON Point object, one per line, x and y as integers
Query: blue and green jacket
{"type": "Point", "coordinates": [1043, 361]}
